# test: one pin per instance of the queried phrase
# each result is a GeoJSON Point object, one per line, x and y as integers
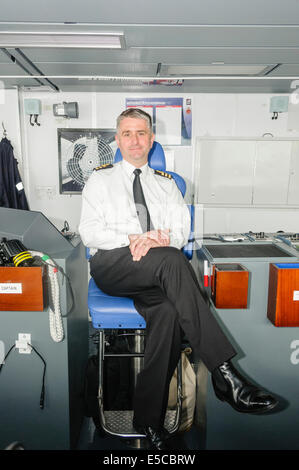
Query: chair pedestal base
{"type": "Point", "coordinates": [119, 423]}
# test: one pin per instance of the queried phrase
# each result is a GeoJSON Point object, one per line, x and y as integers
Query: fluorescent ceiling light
{"type": "Point", "coordinates": [80, 40]}
{"type": "Point", "coordinates": [216, 69]}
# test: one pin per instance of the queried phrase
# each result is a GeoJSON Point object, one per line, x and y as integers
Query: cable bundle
{"type": "Point", "coordinates": [55, 319]}
{"type": "Point", "coordinates": [21, 258]}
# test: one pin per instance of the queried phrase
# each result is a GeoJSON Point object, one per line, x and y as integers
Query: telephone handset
{"type": "Point", "coordinates": [14, 253]}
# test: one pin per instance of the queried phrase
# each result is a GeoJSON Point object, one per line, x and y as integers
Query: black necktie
{"type": "Point", "coordinates": [141, 207]}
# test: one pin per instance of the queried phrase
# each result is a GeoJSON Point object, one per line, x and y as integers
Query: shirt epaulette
{"type": "Point", "coordinates": [162, 173]}
{"type": "Point", "coordinates": [102, 167]}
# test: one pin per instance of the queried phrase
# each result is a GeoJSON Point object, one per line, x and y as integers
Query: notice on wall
{"type": "Point", "coordinates": [172, 118]}
{"type": "Point", "coordinates": [168, 125]}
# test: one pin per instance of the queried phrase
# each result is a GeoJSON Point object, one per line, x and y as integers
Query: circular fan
{"type": "Point", "coordinates": [85, 154]}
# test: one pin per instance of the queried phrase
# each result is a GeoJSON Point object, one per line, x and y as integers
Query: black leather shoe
{"type": "Point", "coordinates": [154, 436]}
{"type": "Point", "coordinates": [230, 386]}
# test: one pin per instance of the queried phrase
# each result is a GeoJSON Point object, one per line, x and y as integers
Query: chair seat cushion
{"type": "Point", "coordinates": [112, 312]}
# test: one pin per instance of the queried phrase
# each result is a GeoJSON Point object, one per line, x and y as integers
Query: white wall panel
{"type": "Point", "coordinates": [227, 115]}
{"type": "Point", "coordinates": [272, 172]}
{"type": "Point", "coordinates": [226, 171]}
{"type": "Point", "coordinates": [241, 220]}
{"type": "Point", "coordinates": [293, 197]}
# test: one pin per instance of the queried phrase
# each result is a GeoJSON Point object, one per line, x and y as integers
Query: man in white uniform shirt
{"type": "Point", "coordinates": [136, 248]}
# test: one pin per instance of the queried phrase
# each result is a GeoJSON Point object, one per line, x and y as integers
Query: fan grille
{"type": "Point", "coordinates": [85, 154]}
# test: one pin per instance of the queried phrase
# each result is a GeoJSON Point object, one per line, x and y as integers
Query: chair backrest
{"type": "Point", "coordinates": [157, 161]}
{"type": "Point", "coordinates": [156, 157]}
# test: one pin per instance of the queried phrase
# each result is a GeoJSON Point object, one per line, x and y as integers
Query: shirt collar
{"type": "Point", "coordinates": [129, 168]}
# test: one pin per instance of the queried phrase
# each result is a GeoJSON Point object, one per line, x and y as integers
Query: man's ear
{"type": "Point", "coordinates": [116, 139]}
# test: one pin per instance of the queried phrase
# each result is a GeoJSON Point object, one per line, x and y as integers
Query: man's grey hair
{"type": "Point", "coordinates": [137, 114]}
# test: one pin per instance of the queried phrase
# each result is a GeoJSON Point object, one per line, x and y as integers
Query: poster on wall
{"type": "Point", "coordinates": [172, 118]}
{"type": "Point", "coordinates": [79, 152]}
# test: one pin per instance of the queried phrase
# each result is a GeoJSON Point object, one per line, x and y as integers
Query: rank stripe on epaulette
{"type": "Point", "coordinates": [102, 167]}
{"type": "Point", "coordinates": [162, 173]}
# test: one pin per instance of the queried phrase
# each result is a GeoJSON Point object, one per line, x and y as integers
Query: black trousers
{"type": "Point", "coordinates": [166, 293]}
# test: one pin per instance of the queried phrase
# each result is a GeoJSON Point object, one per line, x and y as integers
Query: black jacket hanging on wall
{"type": "Point", "coordinates": [12, 193]}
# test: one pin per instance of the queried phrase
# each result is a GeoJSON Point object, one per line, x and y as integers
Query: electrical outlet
{"type": "Point", "coordinates": [45, 192]}
{"type": "Point", "coordinates": [22, 343]}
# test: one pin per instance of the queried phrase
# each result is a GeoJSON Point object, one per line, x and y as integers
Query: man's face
{"type": "Point", "coordinates": [134, 140]}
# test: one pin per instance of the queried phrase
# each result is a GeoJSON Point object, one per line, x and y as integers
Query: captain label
{"type": "Point", "coordinates": [10, 288]}
{"type": "Point", "coordinates": [296, 295]}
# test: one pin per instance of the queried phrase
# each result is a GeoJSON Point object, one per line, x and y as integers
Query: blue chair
{"type": "Point", "coordinates": [119, 313]}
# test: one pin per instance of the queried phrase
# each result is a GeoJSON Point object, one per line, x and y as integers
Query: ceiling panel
{"type": "Point", "coordinates": [10, 69]}
{"type": "Point", "coordinates": [212, 36]}
{"type": "Point", "coordinates": [218, 85]}
{"type": "Point", "coordinates": [17, 82]}
{"type": "Point", "coordinates": [181, 35]}
{"type": "Point", "coordinates": [156, 11]}
{"type": "Point", "coordinates": [286, 70]}
{"type": "Point", "coordinates": [158, 38]}
{"type": "Point", "coordinates": [163, 55]}
{"type": "Point", "coordinates": [98, 69]}
{"type": "Point", "coordinates": [45, 55]}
